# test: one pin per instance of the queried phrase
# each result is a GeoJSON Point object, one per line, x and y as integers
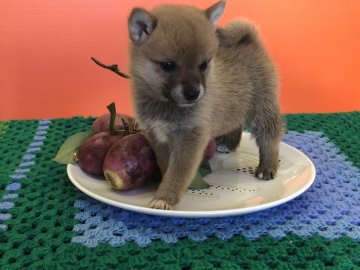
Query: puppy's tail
{"type": "Point", "coordinates": [239, 32]}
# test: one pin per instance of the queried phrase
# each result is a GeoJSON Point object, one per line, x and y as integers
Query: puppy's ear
{"type": "Point", "coordinates": [214, 12]}
{"type": "Point", "coordinates": [141, 24]}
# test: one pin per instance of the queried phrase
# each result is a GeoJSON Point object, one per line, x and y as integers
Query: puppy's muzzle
{"type": "Point", "coordinates": [187, 95]}
{"type": "Point", "coordinates": [191, 94]}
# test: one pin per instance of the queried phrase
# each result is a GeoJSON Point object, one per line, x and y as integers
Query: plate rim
{"type": "Point", "coordinates": [199, 214]}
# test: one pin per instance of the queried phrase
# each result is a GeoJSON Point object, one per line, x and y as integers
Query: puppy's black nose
{"type": "Point", "coordinates": [191, 94]}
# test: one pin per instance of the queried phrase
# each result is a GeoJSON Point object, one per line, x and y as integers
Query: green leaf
{"type": "Point", "coordinates": [198, 182]}
{"type": "Point", "coordinates": [205, 168]}
{"type": "Point", "coordinates": [65, 155]}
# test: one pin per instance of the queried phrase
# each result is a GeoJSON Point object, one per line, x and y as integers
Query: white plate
{"type": "Point", "coordinates": [234, 189]}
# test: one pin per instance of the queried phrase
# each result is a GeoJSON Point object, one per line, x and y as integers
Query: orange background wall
{"type": "Point", "coordinates": [45, 47]}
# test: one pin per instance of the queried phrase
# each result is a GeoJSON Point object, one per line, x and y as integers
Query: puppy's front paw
{"type": "Point", "coordinates": [265, 173]}
{"type": "Point", "coordinates": [165, 198]}
{"type": "Point", "coordinates": [160, 204]}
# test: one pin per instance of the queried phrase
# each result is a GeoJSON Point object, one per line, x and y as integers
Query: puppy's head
{"type": "Point", "coordinates": [172, 48]}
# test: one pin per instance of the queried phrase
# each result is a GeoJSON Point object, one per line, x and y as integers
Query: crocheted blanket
{"type": "Point", "coordinates": [46, 223]}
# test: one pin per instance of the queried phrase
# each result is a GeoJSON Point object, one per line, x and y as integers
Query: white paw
{"type": "Point", "coordinates": [160, 204]}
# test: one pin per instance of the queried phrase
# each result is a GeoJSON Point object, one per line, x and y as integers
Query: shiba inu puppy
{"type": "Point", "coordinates": [192, 82]}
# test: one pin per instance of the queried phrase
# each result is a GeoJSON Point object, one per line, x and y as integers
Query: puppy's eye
{"type": "Point", "coordinates": [168, 66]}
{"type": "Point", "coordinates": [203, 66]}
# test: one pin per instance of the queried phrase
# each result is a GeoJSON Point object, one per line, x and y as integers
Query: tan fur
{"type": "Point", "coordinates": [238, 85]}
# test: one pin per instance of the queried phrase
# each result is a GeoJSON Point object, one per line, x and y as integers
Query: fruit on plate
{"type": "Point", "coordinates": [102, 123]}
{"type": "Point", "coordinates": [130, 162]}
{"type": "Point", "coordinates": [92, 152]}
{"type": "Point", "coordinates": [210, 149]}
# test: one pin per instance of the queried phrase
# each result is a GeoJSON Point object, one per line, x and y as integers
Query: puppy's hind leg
{"type": "Point", "coordinates": [267, 129]}
{"type": "Point", "coordinates": [229, 142]}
